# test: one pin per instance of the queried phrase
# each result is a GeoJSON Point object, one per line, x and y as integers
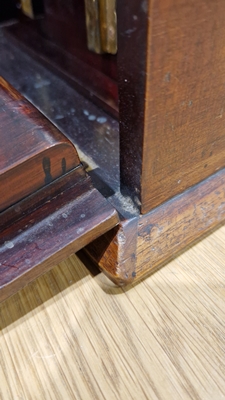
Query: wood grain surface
{"type": "Point", "coordinates": [142, 244]}
{"type": "Point", "coordinates": [51, 232]}
{"type": "Point", "coordinates": [171, 68]}
{"type": "Point", "coordinates": [73, 335]}
{"type": "Point", "coordinates": [33, 152]}
{"type": "Point", "coordinates": [185, 137]}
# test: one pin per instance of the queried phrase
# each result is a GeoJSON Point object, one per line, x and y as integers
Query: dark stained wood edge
{"type": "Point", "coordinates": [131, 65]}
{"type": "Point", "coordinates": [51, 233]}
{"type": "Point", "coordinates": [40, 197]}
{"type": "Point", "coordinates": [161, 234]}
{"type": "Point", "coordinates": [115, 252]}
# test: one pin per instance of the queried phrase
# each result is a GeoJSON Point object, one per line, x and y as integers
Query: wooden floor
{"type": "Point", "coordinates": [74, 335]}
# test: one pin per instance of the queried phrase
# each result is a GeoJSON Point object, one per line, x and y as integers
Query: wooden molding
{"type": "Point", "coordinates": [51, 233]}
{"type": "Point", "coordinates": [140, 246]}
{"type": "Point", "coordinates": [33, 152]}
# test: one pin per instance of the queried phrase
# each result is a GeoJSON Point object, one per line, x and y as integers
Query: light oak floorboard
{"type": "Point", "coordinates": [72, 335]}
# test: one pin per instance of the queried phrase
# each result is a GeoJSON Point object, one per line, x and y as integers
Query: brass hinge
{"type": "Point", "coordinates": [101, 23]}
{"type": "Point", "coordinates": [32, 8]}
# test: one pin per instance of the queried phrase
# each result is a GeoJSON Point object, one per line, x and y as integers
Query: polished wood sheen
{"type": "Point", "coordinates": [33, 152]}
{"type": "Point", "coordinates": [51, 232]}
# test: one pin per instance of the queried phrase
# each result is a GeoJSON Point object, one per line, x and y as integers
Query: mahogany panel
{"type": "Point", "coordinates": [185, 133]}
{"type": "Point", "coordinates": [176, 137]}
{"type": "Point", "coordinates": [33, 152]}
